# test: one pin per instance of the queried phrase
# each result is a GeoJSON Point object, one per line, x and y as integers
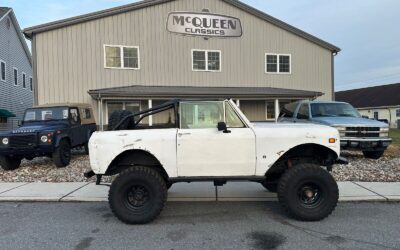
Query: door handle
{"type": "Point", "coordinates": [182, 134]}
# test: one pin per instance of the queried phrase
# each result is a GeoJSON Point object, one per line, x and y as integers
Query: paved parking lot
{"type": "Point", "coordinates": [204, 225]}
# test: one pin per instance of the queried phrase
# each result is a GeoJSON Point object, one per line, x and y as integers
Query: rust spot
{"type": "Point", "coordinates": [129, 145]}
{"type": "Point", "coordinates": [123, 135]}
{"type": "Point", "coordinates": [280, 153]}
{"type": "Point", "coordinates": [138, 140]}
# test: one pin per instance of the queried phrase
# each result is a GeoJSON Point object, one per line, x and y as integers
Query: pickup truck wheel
{"type": "Point", "coordinates": [373, 154]}
{"type": "Point", "coordinates": [138, 195]}
{"type": "Point", "coordinates": [9, 163]}
{"type": "Point", "coordinates": [308, 192]}
{"type": "Point", "coordinates": [62, 155]}
{"type": "Point", "coordinates": [272, 187]}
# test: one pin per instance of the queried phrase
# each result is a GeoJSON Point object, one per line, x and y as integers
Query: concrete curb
{"type": "Point", "coordinates": [184, 192]}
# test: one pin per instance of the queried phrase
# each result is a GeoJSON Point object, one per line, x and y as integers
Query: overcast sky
{"type": "Point", "coordinates": [367, 31]}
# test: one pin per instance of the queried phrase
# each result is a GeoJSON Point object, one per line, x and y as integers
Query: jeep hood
{"type": "Point", "coordinates": [37, 128]}
{"type": "Point", "coordinates": [349, 121]}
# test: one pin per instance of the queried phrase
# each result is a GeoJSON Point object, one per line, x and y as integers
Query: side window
{"type": "Point", "coordinates": [74, 115]}
{"type": "Point", "coordinates": [201, 114]}
{"type": "Point", "coordinates": [304, 112]}
{"type": "Point", "coordinates": [288, 110]}
{"type": "Point", "coordinates": [3, 70]}
{"type": "Point", "coordinates": [85, 113]}
{"type": "Point", "coordinates": [232, 119]}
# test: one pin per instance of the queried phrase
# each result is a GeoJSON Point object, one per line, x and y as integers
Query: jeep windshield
{"type": "Point", "coordinates": [333, 110]}
{"type": "Point", "coordinates": [46, 114]}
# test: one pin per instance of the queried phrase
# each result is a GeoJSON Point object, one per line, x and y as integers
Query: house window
{"type": "Point", "coordinates": [376, 115]}
{"type": "Point", "coordinates": [398, 112]}
{"type": "Point", "coordinates": [23, 80]}
{"type": "Point", "coordinates": [133, 107]}
{"type": "Point", "coordinates": [206, 60]}
{"type": "Point", "coordinates": [3, 70]}
{"type": "Point", "coordinates": [3, 120]}
{"type": "Point", "coordinates": [31, 83]}
{"type": "Point", "coordinates": [277, 64]}
{"type": "Point", "coordinates": [121, 57]}
{"type": "Point", "coordinates": [15, 76]}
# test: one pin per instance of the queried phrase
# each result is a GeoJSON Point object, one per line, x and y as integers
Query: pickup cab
{"type": "Point", "coordinates": [356, 132]}
{"type": "Point", "coordinates": [48, 130]}
{"type": "Point", "coordinates": [189, 141]}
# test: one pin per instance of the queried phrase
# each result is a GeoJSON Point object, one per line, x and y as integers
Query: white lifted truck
{"type": "Point", "coordinates": [213, 141]}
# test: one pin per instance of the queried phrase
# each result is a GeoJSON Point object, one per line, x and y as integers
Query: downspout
{"type": "Point", "coordinates": [333, 73]}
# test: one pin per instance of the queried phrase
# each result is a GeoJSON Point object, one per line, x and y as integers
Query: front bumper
{"type": "Point", "coordinates": [365, 143]}
{"type": "Point", "coordinates": [27, 151]}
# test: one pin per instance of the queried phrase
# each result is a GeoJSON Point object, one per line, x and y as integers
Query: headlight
{"type": "Point", "coordinates": [43, 139]}
{"type": "Point", "coordinates": [5, 141]}
{"type": "Point", "coordinates": [341, 129]}
{"type": "Point", "coordinates": [384, 129]}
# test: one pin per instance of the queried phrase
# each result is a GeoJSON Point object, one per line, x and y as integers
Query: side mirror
{"type": "Point", "coordinates": [222, 127]}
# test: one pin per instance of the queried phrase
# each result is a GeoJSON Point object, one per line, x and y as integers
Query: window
{"type": "Point", "coordinates": [15, 76]}
{"type": "Point", "coordinates": [3, 120]}
{"type": "Point", "coordinates": [86, 113]}
{"type": "Point", "coordinates": [23, 80]}
{"type": "Point", "coordinates": [232, 119]}
{"type": "Point", "coordinates": [133, 107]}
{"type": "Point", "coordinates": [376, 115]}
{"type": "Point", "coordinates": [205, 60]}
{"type": "Point", "coordinates": [31, 83]}
{"type": "Point", "coordinates": [200, 115]}
{"type": "Point", "coordinates": [288, 110]}
{"type": "Point", "coordinates": [277, 64]}
{"type": "Point", "coordinates": [304, 112]}
{"type": "Point", "coordinates": [398, 112]}
{"type": "Point", "coordinates": [3, 70]}
{"type": "Point", "coordinates": [74, 115]}
{"type": "Point", "coordinates": [121, 57]}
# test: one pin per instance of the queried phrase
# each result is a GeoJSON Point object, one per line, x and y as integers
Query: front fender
{"type": "Point", "coordinates": [61, 137]}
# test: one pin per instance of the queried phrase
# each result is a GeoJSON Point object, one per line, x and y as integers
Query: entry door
{"type": "Point", "coordinates": [76, 134]}
{"type": "Point", "coordinates": [202, 150]}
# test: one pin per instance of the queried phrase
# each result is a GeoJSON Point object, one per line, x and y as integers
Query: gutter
{"type": "Point", "coordinates": [8, 12]}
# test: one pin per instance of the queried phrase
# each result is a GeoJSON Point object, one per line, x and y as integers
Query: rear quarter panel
{"type": "Point", "coordinates": [104, 147]}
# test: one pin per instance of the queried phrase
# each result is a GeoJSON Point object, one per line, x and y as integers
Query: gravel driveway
{"type": "Point", "coordinates": [387, 169]}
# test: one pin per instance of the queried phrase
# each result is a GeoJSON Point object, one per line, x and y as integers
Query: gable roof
{"type": "Point", "coordinates": [379, 96]}
{"type": "Point", "coordinates": [4, 11]}
{"type": "Point", "coordinates": [29, 32]}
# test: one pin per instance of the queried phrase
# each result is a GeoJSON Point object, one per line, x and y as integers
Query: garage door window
{"type": "Point", "coordinates": [277, 63]}
{"type": "Point", "coordinates": [206, 60]}
{"type": "Point", "coordinates": [121, 57]}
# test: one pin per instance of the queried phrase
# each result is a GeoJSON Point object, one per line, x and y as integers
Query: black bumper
{"type": "Point", "coordinates": [365, 144]}
{"type": "Point", "coordinates": [29, 151]}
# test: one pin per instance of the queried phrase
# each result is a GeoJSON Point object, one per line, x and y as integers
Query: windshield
{"type": "Point", "coordinates": [333, 110]}
{"type": "Point", "coordinates": [46, 114]}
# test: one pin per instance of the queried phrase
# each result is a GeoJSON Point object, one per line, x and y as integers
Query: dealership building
{"type": "Point", "coordinates": [137, 56]}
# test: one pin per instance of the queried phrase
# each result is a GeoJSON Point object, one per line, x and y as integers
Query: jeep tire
{"type": "Point", "coordinates": [116, 117]}
{"type": "Point", "coordinates": [62, 154]}
{"type": "Point", "coordinates": [373, 154]}
{"type": "Point", "coordinates": [9, 163]}
{"type": "Point", "coordinates": [308, 192]}
{"type": "Point", "coordinates": [138, 195]}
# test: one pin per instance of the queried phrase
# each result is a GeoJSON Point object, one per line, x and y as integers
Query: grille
{"type": "Point", "coordinates": [23, 141]}
{"type": "Point", "coordinates": [365, 132]}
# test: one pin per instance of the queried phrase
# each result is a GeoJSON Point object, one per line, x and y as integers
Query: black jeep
{"type": "Point", "coordinates": [48, 131]}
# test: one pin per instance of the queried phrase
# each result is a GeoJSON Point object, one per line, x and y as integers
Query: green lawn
{"type": "Point", "coordinates": [395, 135]}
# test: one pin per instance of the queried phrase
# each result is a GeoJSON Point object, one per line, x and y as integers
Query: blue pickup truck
{"type": "Point", "coordinates": [48, 131]}
{"type": "Point", "coordinates": [356, 133]}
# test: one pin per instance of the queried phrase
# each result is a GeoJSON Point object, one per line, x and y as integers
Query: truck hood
{"type": "Point", "coordinates": [349, 121]}
{"type": "Point", "coordinates": [37, 128]}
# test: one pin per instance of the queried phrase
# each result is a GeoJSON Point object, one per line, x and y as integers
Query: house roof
{"type": "Point", "coordinates": [379, 96]}
{"type": "Point", "coordinates": [4, 11]}
{"type": "Point", "coordinates": [29, 32]}
{"type": "Point", "coordinates": [200, 92]}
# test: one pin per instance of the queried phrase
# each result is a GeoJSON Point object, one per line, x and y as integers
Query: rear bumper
{"type": "Point", "coordinates": [365, 143]}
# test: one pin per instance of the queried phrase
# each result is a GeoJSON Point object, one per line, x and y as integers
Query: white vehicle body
{"type": "Point", "coordinates": [249, 151]}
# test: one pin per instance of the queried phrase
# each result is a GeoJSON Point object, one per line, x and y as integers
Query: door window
{"type": "Point", "coordinates": [232, 119]}
{"type": "Point", "coordinates": [304, 112]}
{"type": "Point", "coordinates": [74, 115]}
{"type": "Point", "coordinates": [201, 114]}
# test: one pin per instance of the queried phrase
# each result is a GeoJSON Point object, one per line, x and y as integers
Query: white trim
{"type": "Point", "coordinates": [150, 106]}
{"type": "Point", "coordinates": [8, 12]}
{"type": "Point", "coordinates": [23, 74]}
{"type": "Point", "coordinates": [206, 54]}
{"type": "Point", "coordinates": [14, 68]}
{"type": "Point", "coordinates": [277, 109]}
{"type": "Point", "coordinates": [5, 71]}
{"type": "Point", "coordinates": [122, 56]}
{"type": "Point", "coordinates": [278, 64]}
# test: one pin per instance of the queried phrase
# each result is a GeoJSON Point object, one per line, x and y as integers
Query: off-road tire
{"type": "Point", "coordinates": [62, 155]}
{"type": "Point", "coordinates": [9, 163]}
{"type": "Point", "coordinates": [272, 187]}
{"type": "Point", "coordinates": [375, 155]}
{"type": "Point", "coordinates": [302, 175]}
{"type": "Point", "coordinates": [116, 117]}
{"type": "Point", "coordinates": [123, 192]}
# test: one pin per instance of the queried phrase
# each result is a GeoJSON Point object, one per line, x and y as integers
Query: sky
{"type": "Point", "coordinates": [367, 31]}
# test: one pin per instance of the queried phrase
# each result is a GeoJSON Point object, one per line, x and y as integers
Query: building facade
{"type": "Point", "coordinates": [379, 103]}
{"type": "Point", "coordinates": [16, 78]}
{"type": "Point", "coordinates": [138, 55]}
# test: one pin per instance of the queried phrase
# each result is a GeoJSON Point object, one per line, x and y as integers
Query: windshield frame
{"type": "Point", "coordinates": [44, 108]}
{"type": "Point", "coordinates": [356, 114]}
